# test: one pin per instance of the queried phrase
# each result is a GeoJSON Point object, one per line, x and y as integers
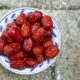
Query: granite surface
{"type": "Point", "coordinates": [66, 13]}
{"type": "Point", "coordinates": [43, 4]}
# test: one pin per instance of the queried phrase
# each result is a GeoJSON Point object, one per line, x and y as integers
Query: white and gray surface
{"type": "Point", "coordinates": [66, 13]}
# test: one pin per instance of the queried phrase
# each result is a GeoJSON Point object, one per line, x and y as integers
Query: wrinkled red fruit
{"type": "Point", "coordinates": [30, 63]}
{"type": "Point", "coordinates": [49, 32]}
{"type": "Point", "coordinates": [17, 64]}
{"type": "Point", "coordinates": [35, 26]}
{"type": "Point", "coordinates": [21, 55]}
{"type": "Point", "coordinates": [2, 44]}
{"type": "Point", "coordinates": [37, 50]}
{"type": "Point", "coordinates": [47, 43]}
{"type": "Point", "coordinates": [28, 44]}
{"type": "Point", "coordinates": [47, 22]}
{"type": "Point", "coordinates": [39, 58]}
{"type": "Point", "coordinates": [15, 34]}
{"type": "Point", "coordinates": [51, 51]}
{"type": "Point", "coordinates": [6, 35]}
{"type": "Point", "coordinates": [13, 25]}
{"type": "Point", "coordinates": [11, 49]}
{"type": "Point", "coordinates": [34, 16]}
{"type": "Point", "coordinates": [39, 34]}
{"type": "Point", "coordinates": [26, 30]}
{"type": "Point", "coordinates": [21, 19]}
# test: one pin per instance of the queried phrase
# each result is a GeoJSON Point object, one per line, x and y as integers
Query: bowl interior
{"type": "Point", "coordinates": [11, 16]}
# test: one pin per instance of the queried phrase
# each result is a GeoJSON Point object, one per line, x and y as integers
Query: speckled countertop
{"type": "Point", "coordinates": [66, 13]}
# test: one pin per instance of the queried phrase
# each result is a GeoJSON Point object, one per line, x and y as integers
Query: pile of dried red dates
{"type": "Point", "coordinates": [28, 40]}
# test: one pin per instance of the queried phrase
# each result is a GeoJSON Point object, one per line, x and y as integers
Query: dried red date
{"type": "Point", "coordinates": [35, 27]}
{"type": "Point", "coordinates": [34, 16]}
{"type": "Point", "coordinates": [26, 30]}
{"type": "Point", "coordinates": [38, 50]}
{"type": "Point", "coordinates": [30, 63]}
{"type": "Point", "coordinates": [51, 51]}
{"type": "Point", "coordinates": [6, 35]}
{"type": "Point", "coordinates": [11, 49]}
{"type": "Point", "coordinates": [28, 44]}
{"type": "Point", "coordinates": [15, 34]}
{"type": "Point", "coordinates": [49, 32]}
{"type": "Point", "coordinates": [39, 34]}
{"type": "Point", "coordinates": [13, 25]}
{"type": "Point", "coordinates": [47, 22]}
{"type": "Point", "coordinates": [47, 43]}
{"type": "Point", "coordinates": [17, 64]}
{"type": "Point", "coordinates": [21, 19]}
{"type": "Point", "coordinates": [21, 55]}
{"type": "Point", "coordinates": [40, 59]}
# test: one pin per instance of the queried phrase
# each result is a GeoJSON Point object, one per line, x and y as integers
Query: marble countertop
{"type": "Point", "coordinates": [67, 17]}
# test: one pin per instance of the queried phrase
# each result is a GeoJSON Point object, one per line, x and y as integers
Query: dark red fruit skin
{"type": "Point", "coordinates": [2, 44]}
{"type": "Point", "coordinates": [35, 26]}
{"type": "Point", "coordinates": [28, 44]}
{"type": "Point", "coordinates": [47, 43]}
{"type": "Point", "coordinates": [39, 34]}
{"type": "Point", "coordinates": [26, 30]}
{"type": "Point", "coordinates": [30, 63]}
{"type": "Point", "coordinates": [15, 34]}
{"type": "Point", "coordinates": [13, 25]}
{"type": "Point", "coordinates": [38, 50]}
{"type": "Point", "coordinates": [17, 63]}
{"type": "Point", "coordinates": [6, 35]}
{"type": "Point", "coordinates": [47, 22]}
{"type": "Point", "coordinates": [51, 51]}
{"type": "Point", "coordinates": [49, 32]}
{"type": "Point", "coordinates": [11, 49]}
{"type": "Point", "coordinates": [16, 46]}
{"type": "Point", "coordinates": [12, 58]}
{"type": "Point", "coordinates": [34, 16]}
{"type": "Point", "coordinates": [21, 19]}
{"type": "Point", "coordinates": [21, 55]}
{"type": "Point", "coordinates": [40, 59]}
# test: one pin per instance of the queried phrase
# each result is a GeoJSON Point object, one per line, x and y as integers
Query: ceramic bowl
{"type": "Point", "coordinates": [11, 16]}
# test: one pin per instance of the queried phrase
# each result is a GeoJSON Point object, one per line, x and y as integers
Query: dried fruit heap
{"type": "Point", "coordinates": [28, 40]}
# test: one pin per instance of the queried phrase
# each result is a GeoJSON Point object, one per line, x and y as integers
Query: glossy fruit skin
{"type": "Point", "coordinates": [35, 26]}
{"type": "Point", "coordinates": [21, 55]}
{"type": "Point", "coordinates": [21, 19]}
{"type": "Point", "coordinates": [39, 34]}
{"type": "Point", "coordinates": [11, 49]}
{"type": "Point", "coordinates": [17, 64]}
{"type": "Point", "coordinates": [30, 63]}
{"type": "Point", "coordinates": [51, 51]}
{"type": "Point", "coordinates": [34, 16]}
{"type": "Point", "coordinates": [40, 58]}
{"type": "Point", "coordinates": [38, 50]}
{"type": "Point", "coordinates": [26, 30]}
{"type": "Point", "coordinates": [28, 44]}
{"type": "Point", "coordinates": [47, 22]}
{"type": "Point", "coordinates": [15, 34]}
{"type": "Point", "coordinates": [2, 44]}
{"type": "Point", "coordinates": [47, 43]}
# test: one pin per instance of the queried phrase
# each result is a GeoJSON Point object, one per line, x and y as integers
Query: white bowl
{"type": "Point", "coordinates": [11, 16]}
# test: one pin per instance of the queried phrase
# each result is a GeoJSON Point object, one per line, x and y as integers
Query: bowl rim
{"type": "Point", "coordinates": [17, 72]}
